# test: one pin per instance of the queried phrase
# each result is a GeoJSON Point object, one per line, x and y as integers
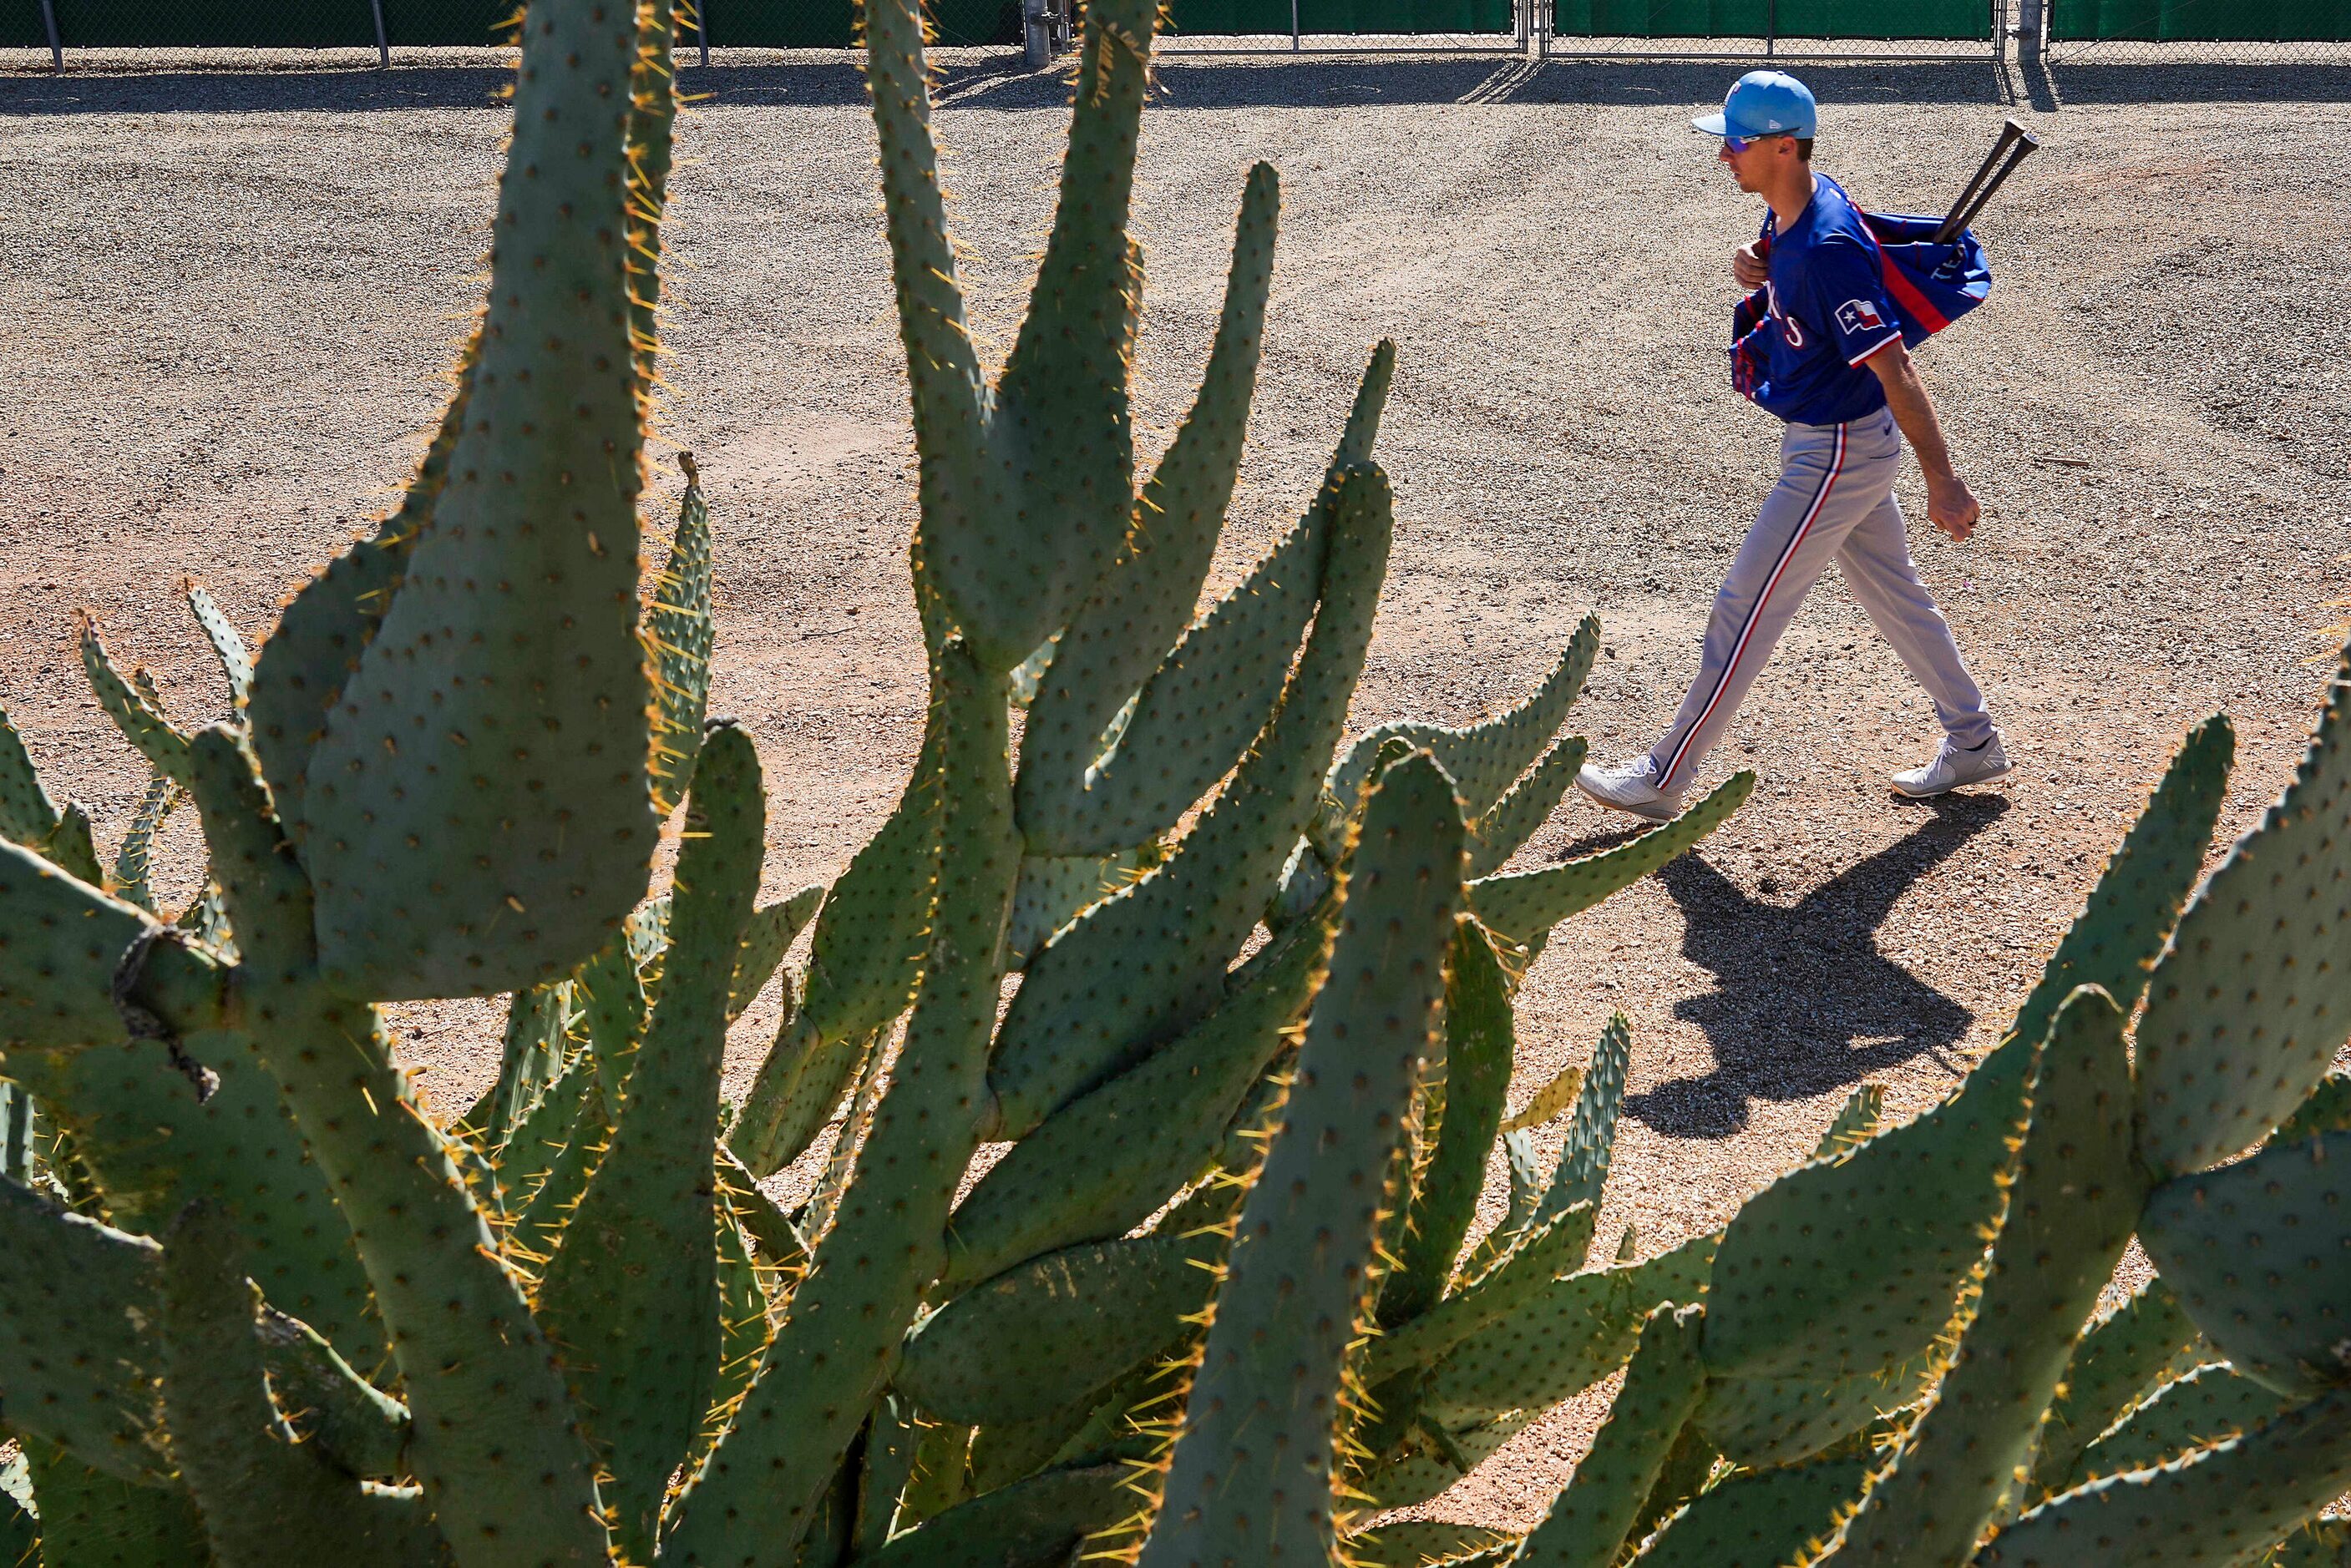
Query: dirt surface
{"type": "Point", "coordinates": [230, 297]}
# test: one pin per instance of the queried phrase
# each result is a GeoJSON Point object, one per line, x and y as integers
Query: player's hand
{"type": "Point", "coordinates": [1748, 265]}
{"type": "Point", "coordinates": [1951, 507]}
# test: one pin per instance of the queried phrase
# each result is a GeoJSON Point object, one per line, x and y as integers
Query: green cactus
{"type": "Point", "coordinates": [1253, 1473]}
{"type": "Point", "coordinates": [2070, 1212]}
{"type": "Point", "coordinates": [2274, 1306]}
{"type": "Point", "coordinates": [1758, 1519]}
{"type": "Point", "coordinates": [1587, 1526]}
{"type": "Point", "coordinates": [2226, 1503]}
{"type": "Point", "coordinates": [1478, 1048]}
{"type": "Point", "coordinates": [1178, 931]}
{"type": "Point", "coordinates": [2243, 1012]}
{"type": "Point", "coordinates": [2206, 1405]}
{"type": "Point", "coordinates": [1101, 1165]}
{"type": "Point", "coordinates": [631, 1299]}
{"type": "Point", "coordinates": [2119, 1361]}
{"type": "Point", "coordinates": [72, 1305]}
{"type": "Point", "coordinates": [863, 961]}
{"type": "Point", "coordinates": [265, 1495]}
{"type": "Point", "coordinates": [1221, 1295]}
{"type": "Point", "coordinates": [454, 675]}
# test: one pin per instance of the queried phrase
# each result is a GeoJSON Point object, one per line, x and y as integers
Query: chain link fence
{"type": "Point", "coordinates": [62, 26]}
{"type": "Point", "coordinates": [2057, 31]}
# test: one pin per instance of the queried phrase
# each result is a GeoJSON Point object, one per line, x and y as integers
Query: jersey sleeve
{"type": "Point", "coordinates": [1849, 294]}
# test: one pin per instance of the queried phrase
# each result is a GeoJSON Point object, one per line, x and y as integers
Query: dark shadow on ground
{"type": "Point", "coordinates": [1186, 78]}
{"type": "Point", "coordinates": [1804, 1003]}
{"type": "Point", "coordinates": [2092, 80]}
{"type": "Point", "coordinates": [294, 90]}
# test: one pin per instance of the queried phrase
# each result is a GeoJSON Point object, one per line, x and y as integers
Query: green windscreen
{"type": "Point", "coordinates": [2216, 21]}
{"type": "Point", "coordinates": [202, 24]}
{"type": "Point", "coordinates": [1950, 19]}
{"type": "Point", "coordinates": [1206, 18]}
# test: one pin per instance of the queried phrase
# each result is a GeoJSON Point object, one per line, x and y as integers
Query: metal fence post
{"type": "Point", "coordinates": [50, 20]}
{"type": "Point", "coordinates": [1036, 36]}
{"type": "Point", "coordinates": [2032, 20]}
{"type": "Point", "coordinates": [702, 31]}
{"type": "Point", "coordinates": [1294, 45]}
{"type": "Point", "coordinates": [383, 43]}
{"type": "Point", "coordinates": [1771, 28]}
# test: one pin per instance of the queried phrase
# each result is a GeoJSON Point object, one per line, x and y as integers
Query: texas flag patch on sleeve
{"type": "Point", "coordinates": [1859, 315]}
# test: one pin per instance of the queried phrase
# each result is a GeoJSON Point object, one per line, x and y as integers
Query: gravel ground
{"type": "Point", "coordinates": [231, 295]}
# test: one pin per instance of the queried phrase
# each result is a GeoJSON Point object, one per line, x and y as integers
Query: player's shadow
{"type": "Point", "coordinates": [1803, 1003]}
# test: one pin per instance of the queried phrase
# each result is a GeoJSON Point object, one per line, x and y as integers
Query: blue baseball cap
{"type": "Point", "coordinates": [1763, 103]}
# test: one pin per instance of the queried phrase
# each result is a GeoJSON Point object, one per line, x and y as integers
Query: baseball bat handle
{"type": "Point", "coordinates": [2015, 144]}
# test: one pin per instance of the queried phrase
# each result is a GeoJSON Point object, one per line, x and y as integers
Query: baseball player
{"type": "Point", "coordinates": [1831, 364]}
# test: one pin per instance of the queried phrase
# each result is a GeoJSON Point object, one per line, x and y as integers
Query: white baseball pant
{"type": "Point", "coordinates": [1835, 498]}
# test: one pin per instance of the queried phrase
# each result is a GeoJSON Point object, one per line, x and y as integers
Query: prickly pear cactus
{"type": "Point", "coordinates": [262, 1302]}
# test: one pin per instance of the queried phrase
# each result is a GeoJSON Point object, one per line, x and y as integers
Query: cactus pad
{"type": "Point", "coordinates": [1144, 601]}
{"type": "Point", "coordinates": [1479, 1043]}
{"type": "Point", "coordinates": [1041, 1338]}
{"type": "Point", "coordinates": [1252, 1474]}
{"type": "Point", "coordinates": [74, 1357]}
{"type": "Point", "coordinates": [1170, 936]}
{"type": "Point", "coordinates": [2070, 1215]}
{"type": "Point", "coordinates": [1848, 1266]}
{"type": "Point", "coordinates": [631, 1301]}
{"type": "Point", "coordinates": [1523, 906]}
{"type": "Point", "coordinates": [2257, 1252]}
{"type": "Point", "coordinates": [2117, 1361]}
{"type": "Point", "coordinates": [1587, 1525]}
{"type": "Point", "coordinates": [505, 692]}
{"type": "Point", "coordinates": [1103, 1163]}
{"type": "Point", "coordinates": [1760, 1519]}
{"type": "Point", "coordinates": [2252, 1000]}
{"type": "Point", "coordinates": [2222, 1505]}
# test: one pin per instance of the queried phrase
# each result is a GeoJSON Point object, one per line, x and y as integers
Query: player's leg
{"type": "Point", "coordinates": [1876, 560]}
{"type": "Point", "coordinates": [1827, 483]}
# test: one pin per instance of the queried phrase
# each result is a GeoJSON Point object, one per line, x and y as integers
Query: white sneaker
{"type": "Point", "coordinates": [1630, 786]}
{"type": "Point", "coordinates": [1954, 766]}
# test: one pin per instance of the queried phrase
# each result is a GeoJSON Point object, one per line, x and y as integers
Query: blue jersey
{"type": "Point", "coordinates": [1803, 336]}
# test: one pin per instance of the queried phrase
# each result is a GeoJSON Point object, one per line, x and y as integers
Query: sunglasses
{"type": "Point", "coordinates": [1736, 144]}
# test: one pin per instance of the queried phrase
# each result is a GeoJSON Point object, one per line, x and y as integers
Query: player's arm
{"type": "Point", "coordinates": [1750, 264]}
{"type": "Point", "coordinates": [1950, 506]}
